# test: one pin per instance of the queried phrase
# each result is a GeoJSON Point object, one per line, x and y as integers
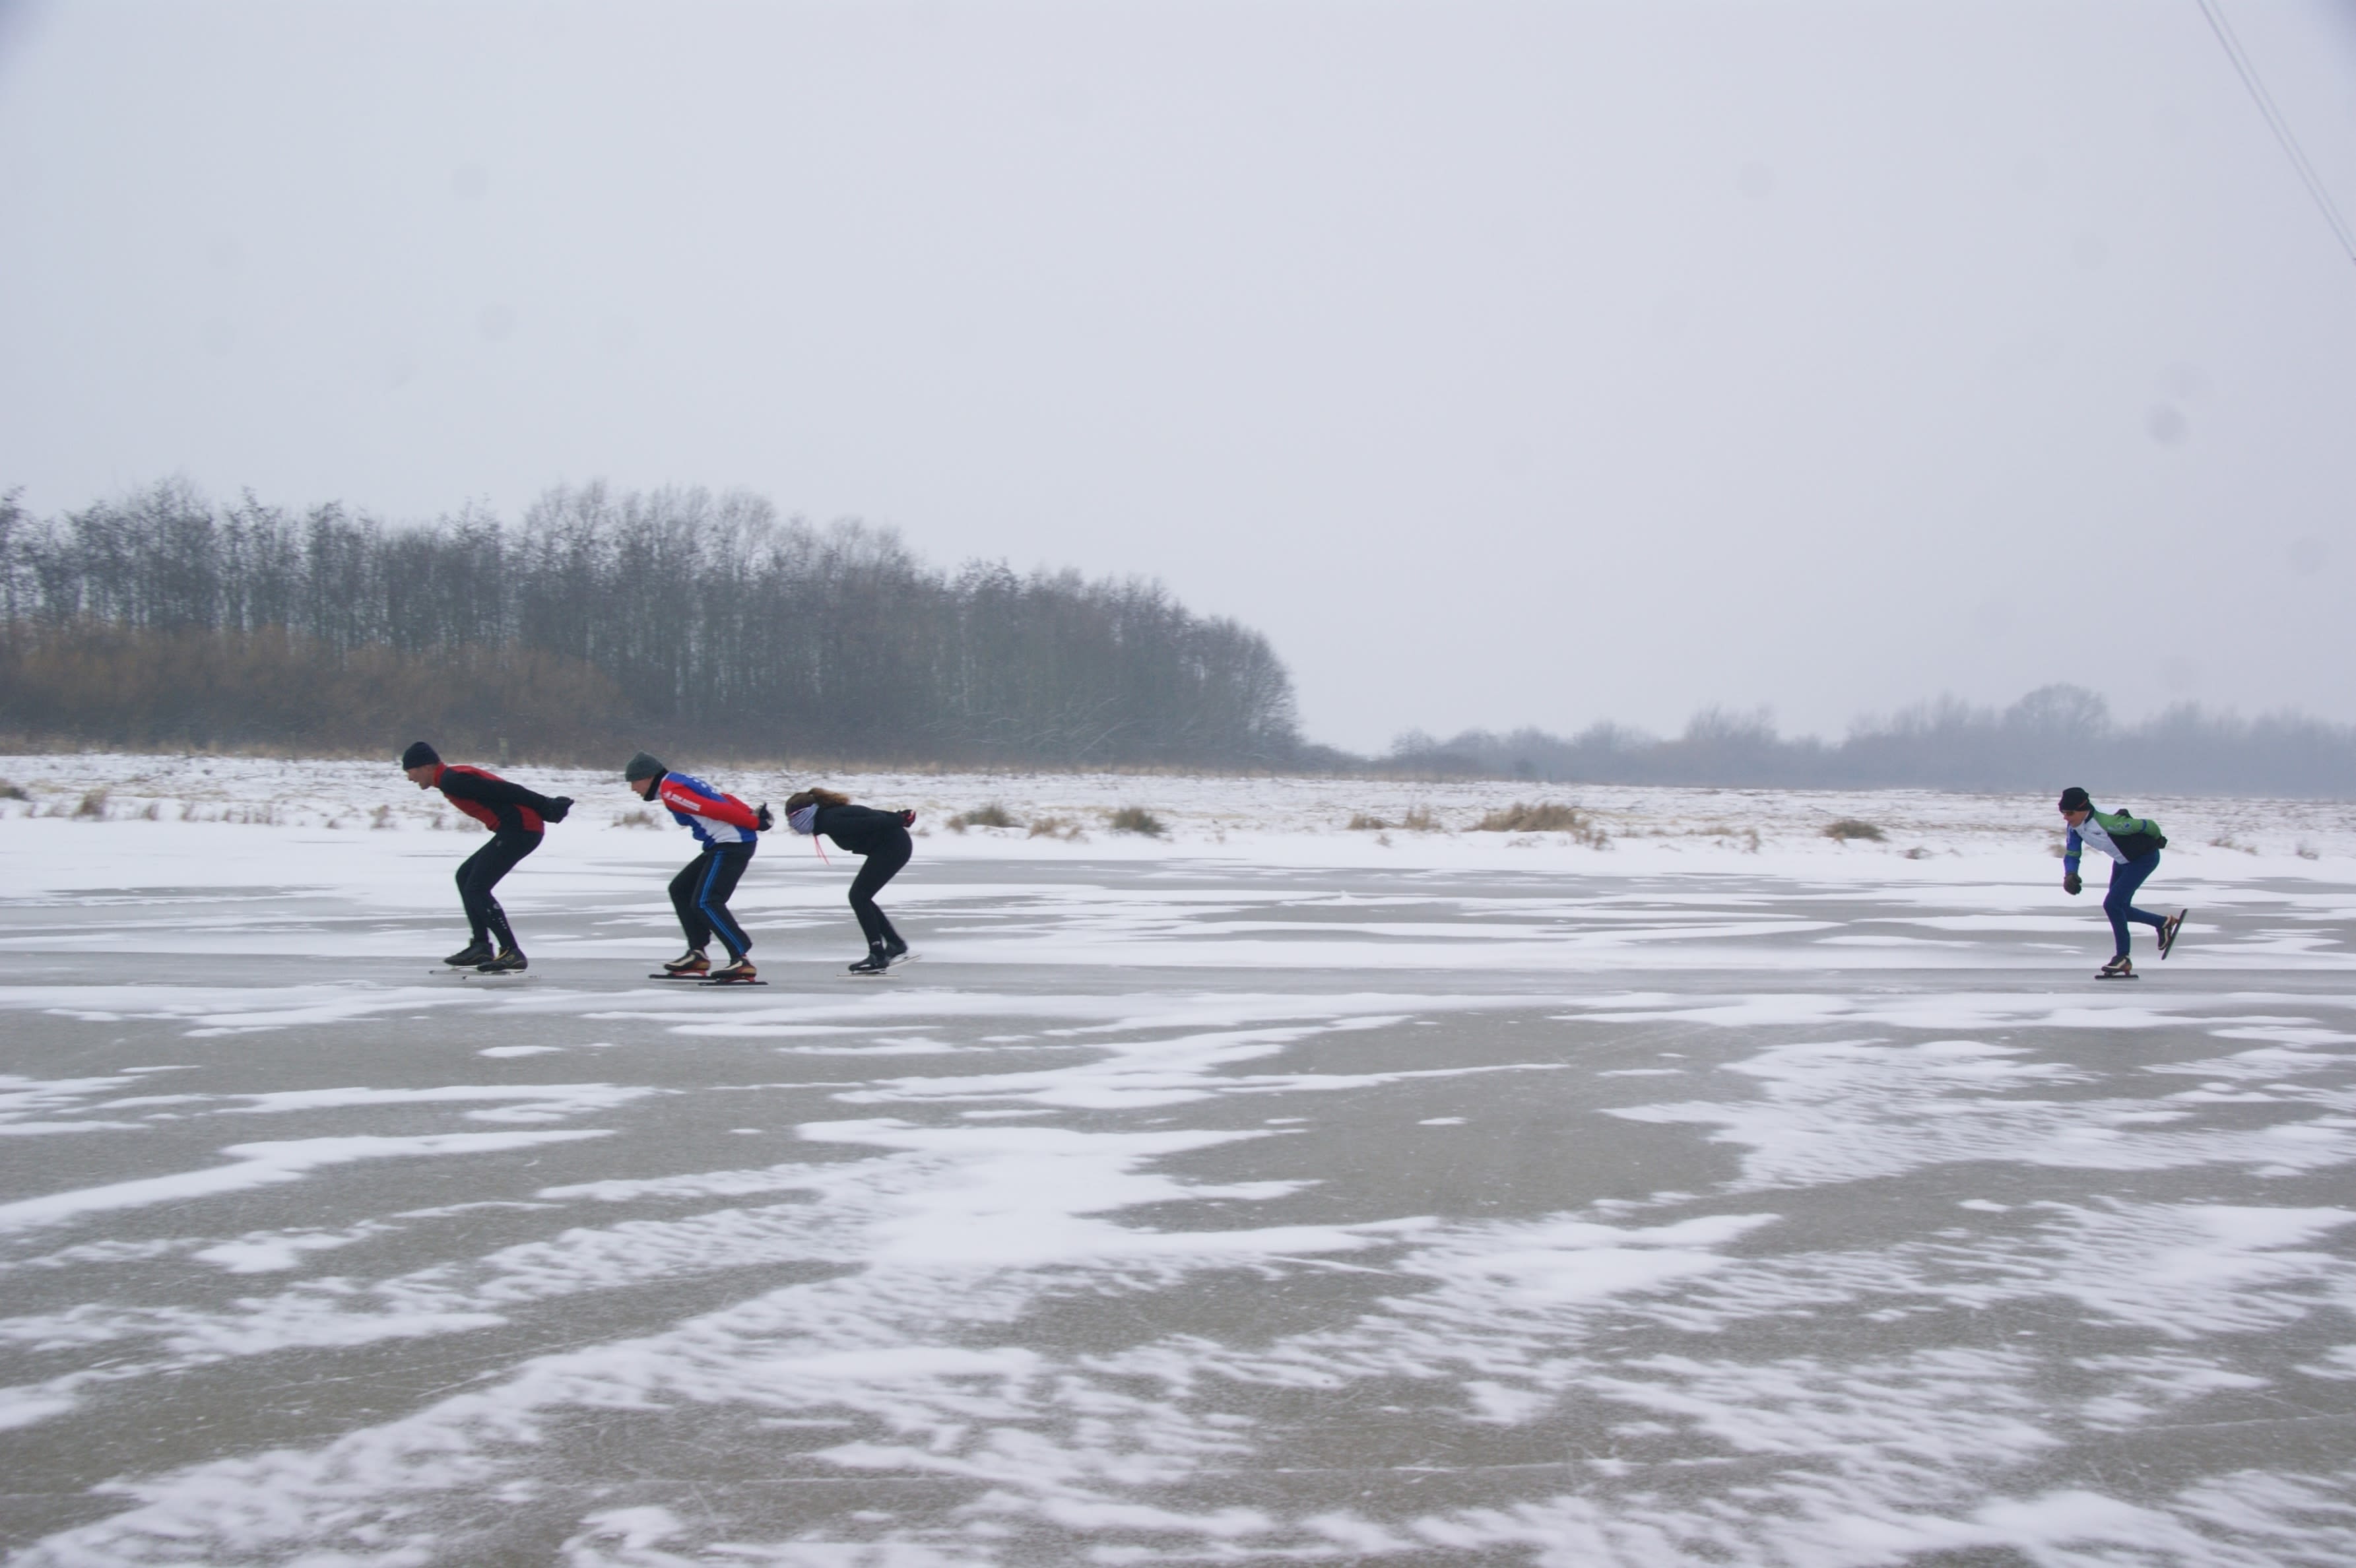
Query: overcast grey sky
{"type": "Point", "coordinates": [1504, 363]}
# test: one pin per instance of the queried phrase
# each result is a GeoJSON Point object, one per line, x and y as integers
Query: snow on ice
{"type": "Point", "coordinates": [1705, 1190]}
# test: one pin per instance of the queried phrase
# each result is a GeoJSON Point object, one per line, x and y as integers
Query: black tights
{"type": "Point", "coordinates": [883, 863]}
{"type": "Point", "coordinates": [480, 873]}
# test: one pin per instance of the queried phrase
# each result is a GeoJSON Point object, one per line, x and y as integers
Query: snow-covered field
{"type": "Point", "coordinates": [1694, 1188]}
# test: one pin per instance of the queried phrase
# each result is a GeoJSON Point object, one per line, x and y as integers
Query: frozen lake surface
{"type": "Point", "coordinates": [1269, 1191]}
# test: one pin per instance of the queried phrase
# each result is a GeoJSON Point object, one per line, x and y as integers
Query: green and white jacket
{"type": "Point", "coordinates": [2122, 835]}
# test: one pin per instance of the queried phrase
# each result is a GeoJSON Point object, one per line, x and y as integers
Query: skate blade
{"type": "Point", "coordinates": [665, 974]}
{"type": "Point", "coordinates": [2102, 976]}
{"type": "Point", "coordinates": [729, 984]}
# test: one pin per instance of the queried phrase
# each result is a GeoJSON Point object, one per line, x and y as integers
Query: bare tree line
{"type": "Point", "coordinates": [678, 617]}
{"type": "Point", "coordinates": [674, 613]}
{"type": "Point", "coordinates": [2055, 735]}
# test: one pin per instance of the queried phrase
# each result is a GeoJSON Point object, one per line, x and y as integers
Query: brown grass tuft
{"type": "Point", "coordinates": [1545, 817]}
{"type": "Point", "coordinates": [1849, 828]}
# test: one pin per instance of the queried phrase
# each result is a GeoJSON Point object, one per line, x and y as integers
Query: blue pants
{"type": "Point", "coordinates": [699, 894]}
{"type": "Point", "coordinates": [2119, 902]}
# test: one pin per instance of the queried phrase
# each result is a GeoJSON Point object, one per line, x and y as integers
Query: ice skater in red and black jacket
{"type": "Point", "coordinates": [882, 838]}
{"type": "Point", "coordinates": [516, 817]}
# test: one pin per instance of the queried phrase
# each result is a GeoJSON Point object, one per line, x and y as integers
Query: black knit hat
{"type": "Point", "coordinates": [419, 755]}
{"type": "Point", "coordinates": [2076, 800]}
{"type": "Point", "coordinates": [642, 766]}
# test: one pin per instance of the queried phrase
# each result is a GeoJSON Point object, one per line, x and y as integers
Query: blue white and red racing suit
{"type": "Point", "coordinates": [714, 816]}
{"type": "Point", "coordinates": [727, 829]}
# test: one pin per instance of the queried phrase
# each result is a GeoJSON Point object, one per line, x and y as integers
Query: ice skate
{"type": "Point", "coordinates": [691, 966]}
{"type": "Point", "coordinates": [2120, 968]}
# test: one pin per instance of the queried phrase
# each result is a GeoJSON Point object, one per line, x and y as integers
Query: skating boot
{"type": "Point", "coordinates": [2120, 968]}
{"type": "Point", "coordinates": [2167, 932]}
{"type": "Point", "coordinates": [693, 961]}
{"type": "Point", "coordinates": [510, 961]}
{"type": "Point", "coordinates": [878, 960]}
{"type": "Point", "coordinates": [470, 955]}
{"type": "Point", "coordinates": [740, 972]}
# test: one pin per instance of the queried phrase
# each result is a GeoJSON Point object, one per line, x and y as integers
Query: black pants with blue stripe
{"type": "Point", "coordinates": [699, 894]}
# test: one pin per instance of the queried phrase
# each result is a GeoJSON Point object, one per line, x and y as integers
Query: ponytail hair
{"type": "Point", "coordinates": [800, 799]}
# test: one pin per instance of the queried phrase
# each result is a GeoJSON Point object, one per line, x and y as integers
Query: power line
{"type": "Point", "coordinates": [2280, 126]}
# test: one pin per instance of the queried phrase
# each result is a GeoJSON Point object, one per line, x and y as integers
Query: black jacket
{"type": "Point", "coordinates": [862, 830]}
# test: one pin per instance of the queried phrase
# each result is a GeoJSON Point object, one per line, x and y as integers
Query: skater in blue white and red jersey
{"type": "Point", "coordinates": [882, 838]}
{"type": "Point", "coordinates": [728, 830]}
{"type": "Point", "coordinates": [2133, 845]}
{"type": "Point", "coordinates": [516, 817]}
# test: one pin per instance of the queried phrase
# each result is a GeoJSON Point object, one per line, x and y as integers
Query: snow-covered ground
{"type": "Point", "coordinates": [1695, 1188]}
{"type": "Point", "coordinates": [1252, 817]}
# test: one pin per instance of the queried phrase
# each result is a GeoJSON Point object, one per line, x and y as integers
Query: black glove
{"type": "Point", "coordinates": [559, 809]}
{"type": "Point", "coordinates": [763, 817]}
{"type": "Point", "coordinates": [907, 819]}
{"type": "Point", "coordinates": [2070, 883]}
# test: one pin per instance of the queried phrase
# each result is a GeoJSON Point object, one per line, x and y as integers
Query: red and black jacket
{"type": "Point", "coordinates": [498, 805]}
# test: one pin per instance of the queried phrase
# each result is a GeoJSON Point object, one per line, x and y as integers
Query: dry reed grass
{"type": "Point", "coordinates": [1545, 817]}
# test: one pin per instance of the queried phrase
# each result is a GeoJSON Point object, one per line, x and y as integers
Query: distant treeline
{"type": "Point", "coordinates": [2053, 736]}
{"type": "Point", "coordinates": [602, 619]}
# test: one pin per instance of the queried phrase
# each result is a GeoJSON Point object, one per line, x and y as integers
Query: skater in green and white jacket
{"type": "Point", "coordinates": [2133, 845]}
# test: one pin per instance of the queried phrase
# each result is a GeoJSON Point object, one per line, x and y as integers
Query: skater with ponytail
{"type": "Point", "coordinates": [882, 838]}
